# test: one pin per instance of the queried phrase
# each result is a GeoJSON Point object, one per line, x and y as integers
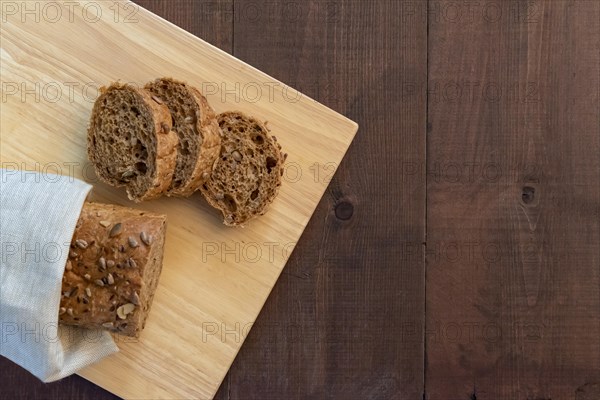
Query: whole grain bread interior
{"type": "Point", "coordinates": [130, 141]}
{"type": "Point", "coordinates": [195, 123]}
{"type": "Point", "coordinates": [247, 175]}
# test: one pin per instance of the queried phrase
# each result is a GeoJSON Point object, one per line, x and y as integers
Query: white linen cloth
{"type": "Point", "coordinates": [38, 214]}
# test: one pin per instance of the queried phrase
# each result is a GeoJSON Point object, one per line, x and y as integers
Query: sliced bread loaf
{"type": "Point", "coordinates": [195, 123]}
{"type": "Point", "coordinates": [130, 141]}
{"type": "Point", "coordinates": [112, 272]}
{"type": "Point", "coordinates": [247, 175]}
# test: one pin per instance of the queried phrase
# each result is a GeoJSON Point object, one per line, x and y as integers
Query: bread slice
{"type": "Point", "coordinates": [130, 141]}
{"type": "Point", "coordinates": [196, 126]}
{"type": "Point", "coordinates": [114, 264]}
{"type": "Point", "coordinates": [247, 175]}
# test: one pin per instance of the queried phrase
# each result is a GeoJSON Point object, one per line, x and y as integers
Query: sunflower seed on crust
{"type": "Point", "coordinates": [116, 230]}
{"type": "Point", "coordinates": [146, 239]}
{"type": "Point", "coordinates": [124, 310]}
{"type": "Point", "coordinates": [132, 242]}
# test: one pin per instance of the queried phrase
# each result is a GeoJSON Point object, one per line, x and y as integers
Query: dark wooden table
{"type": "Point", "coordinates": [456, 253]}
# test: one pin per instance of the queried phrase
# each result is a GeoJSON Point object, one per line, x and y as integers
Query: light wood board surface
{"type": "Point", "coordinates": [215, 279]}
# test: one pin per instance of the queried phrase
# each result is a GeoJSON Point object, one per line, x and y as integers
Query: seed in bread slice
{"type": "Point", "coordinates": [247, 175]}
{"type": "Point", "coordinates": [195, 123]}
{"type": "Point", "coordinates": [130, 141]}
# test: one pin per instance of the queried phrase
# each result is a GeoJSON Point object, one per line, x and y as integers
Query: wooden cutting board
{"type": "Point", "coordinates": [215, 279]}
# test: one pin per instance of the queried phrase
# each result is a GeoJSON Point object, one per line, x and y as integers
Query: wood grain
{"type": "Point", "coordinates": [513, 193]}
{"type": "Point", "coordinates": [345, 319]}
{"type": "Point", "coordinates": [210, 20]}
{"type": "Point", "coordinates": [215, 279]}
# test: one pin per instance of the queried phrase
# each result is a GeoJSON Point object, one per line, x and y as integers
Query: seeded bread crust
{"type": "Point", "coordinates": [247, 174]}
{"type": "Point", "coordinates": [147, 177]}
{"type": "Point", "coordinates": [114, 264]}
{"type": "Point", "coordinates": [211, 144]}
{"type": "Point", "coordinates": [205, 127]}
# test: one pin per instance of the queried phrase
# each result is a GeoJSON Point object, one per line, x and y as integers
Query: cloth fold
{"type": "Point", "coordinates": [38, 214]}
